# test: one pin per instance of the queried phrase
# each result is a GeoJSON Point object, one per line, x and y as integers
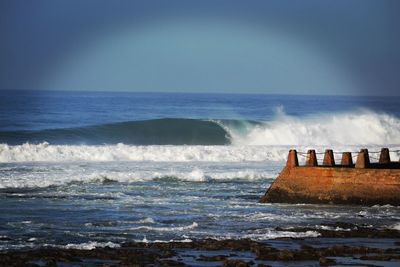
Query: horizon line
{"type": "Point", "coordinates": [191, 92]}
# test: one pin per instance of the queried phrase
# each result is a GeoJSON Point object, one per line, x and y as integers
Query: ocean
{"type": "Point", "coordinates": [95, 169]}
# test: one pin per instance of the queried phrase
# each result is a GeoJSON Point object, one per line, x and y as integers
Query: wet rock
{"type": "Point", "coordinates": [285, 255]}
{"type": "Point", "coordinates": [211, 258]}
{"type": "Point", "coordinates": [264, 252]}
{"type": "Point", "coordinates": [168, 262]}
{"type": "Point", "coordinates": [235, 263]}
{"type": "Point", "coordinates": [174, 254]}
{"type": "Point", "coordinates": [326, 262]}
{"type": "Point", "coordinates": [385, 257]}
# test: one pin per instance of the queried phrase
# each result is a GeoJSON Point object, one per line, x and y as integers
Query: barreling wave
{"type": "Point", "coordinates": [149, 132]}
{"type": "Point", "coordinates": [362, 127]}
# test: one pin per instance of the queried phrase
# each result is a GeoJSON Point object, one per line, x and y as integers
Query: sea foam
{"type": "Point", "coordinates": [121, 152]}
{"type": "Point", "coordinates": [45, 152]}
{"type": "Point", "coordinates": [166, 229]}
{"type": "Point", "coordinates": [362, 127]}
{"type": "Point", "coordinates": [46, 178]}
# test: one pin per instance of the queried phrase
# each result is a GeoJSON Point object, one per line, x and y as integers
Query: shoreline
{"type": "Point", "coordinates": [339, 243]}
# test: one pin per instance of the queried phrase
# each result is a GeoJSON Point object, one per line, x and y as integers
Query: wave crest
{"type": "Point", "coordinates": [356, 128]}
{"type": "Point", "coordinates": [149, 132]}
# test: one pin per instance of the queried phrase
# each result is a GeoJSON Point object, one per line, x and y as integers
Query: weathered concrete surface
{"type": "Point", "coordinates": [384, 157]}
{"type": "Point", "coordinates": [338, 185]}
{"type": "Point", "coordinates": [347, 160]}
{"type": "Point", "coordinates": [329, 159]}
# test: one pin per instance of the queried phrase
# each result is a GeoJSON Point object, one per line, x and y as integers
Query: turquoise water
{"type": "Point", "coordinates": [94, 169]}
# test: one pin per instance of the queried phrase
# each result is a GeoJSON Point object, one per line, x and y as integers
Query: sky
{"type": "Point", "coordinates": [331, 47]}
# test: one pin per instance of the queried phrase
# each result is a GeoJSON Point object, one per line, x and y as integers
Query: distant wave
{"type": "Point", "coordinates": [362, 127]}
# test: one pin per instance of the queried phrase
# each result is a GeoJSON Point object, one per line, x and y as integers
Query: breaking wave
{"type": "Point", "coordinates": [200, 140]}
{"type": "Point", "coordinates": [362, 127]}
{"type": "Point", "coordinates": [45, 152]}
{"type": "Point", "coordinates": [121, 152]}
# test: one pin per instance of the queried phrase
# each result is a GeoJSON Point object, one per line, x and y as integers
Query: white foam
{"type": "Point", "coordinates": [272, 234]}
{"type": "Point", "coordinates": [331, 228]}
{"type": "Point", "coordinates": [146, 220]}
{"type": "Point", "coordinates": [396, 226]}
{"type": "Point", "coordinates": [299, 234]}
{"type": "Point", "coordinates": [98, 172]}
{"type": "Point", "coordinates": [92, 245]}
{"type": "Point", "coordinates": [145, 240]}
{"type": "Point", "coordinates": [120, 152]}
{"type": "Point", "coordinates": [166, 229]}
{"type": "Point", "coordinates": [362, 127]}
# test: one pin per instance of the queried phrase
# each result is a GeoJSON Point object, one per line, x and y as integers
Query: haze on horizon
{"type": "Point", "coordinates": [277, 47]}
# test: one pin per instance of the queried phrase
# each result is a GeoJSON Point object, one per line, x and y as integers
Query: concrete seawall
{"type": "Point", "coordinates": [362, 183]}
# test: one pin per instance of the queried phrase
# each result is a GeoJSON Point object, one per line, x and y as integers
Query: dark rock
{"type": "Point", "coordinates": [168, 262]}
{"type": "Point", "coordinates": [174, 254]}
{"type": "Point", "coordinates": [385, 257]}
{"type": "Point", "coordinates": [285, 255]}
{"type": "Point", "coordinates": [235, 263]}
{"type": "Point", "coordinates": [211, 258]}
{"type": "Point", "coordinates": [326, 262]}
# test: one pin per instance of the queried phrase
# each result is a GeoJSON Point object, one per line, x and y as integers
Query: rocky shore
{"type": "Point", "coordinates": [340, 243]}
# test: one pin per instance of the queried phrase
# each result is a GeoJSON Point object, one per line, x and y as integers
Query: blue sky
{"type": "Point", "coordinates": [285, 47]}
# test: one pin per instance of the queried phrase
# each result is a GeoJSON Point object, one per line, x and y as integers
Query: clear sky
{"type": "Point", "coordinates": [280, 46]}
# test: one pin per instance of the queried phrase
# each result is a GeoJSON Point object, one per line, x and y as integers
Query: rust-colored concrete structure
{"type": "Point", "coordinates": [347, 160]}
{"type": "Point", "coordinates": [363, 183]}
{"type": "Point", "coordinates": [329, 159]}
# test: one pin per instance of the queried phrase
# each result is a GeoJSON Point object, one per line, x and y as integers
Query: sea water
{"type": "Point", "coordinates": [87, 169]}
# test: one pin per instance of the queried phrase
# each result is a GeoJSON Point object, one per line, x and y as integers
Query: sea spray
{"type": "Point", "coordinates": [361, 127]}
